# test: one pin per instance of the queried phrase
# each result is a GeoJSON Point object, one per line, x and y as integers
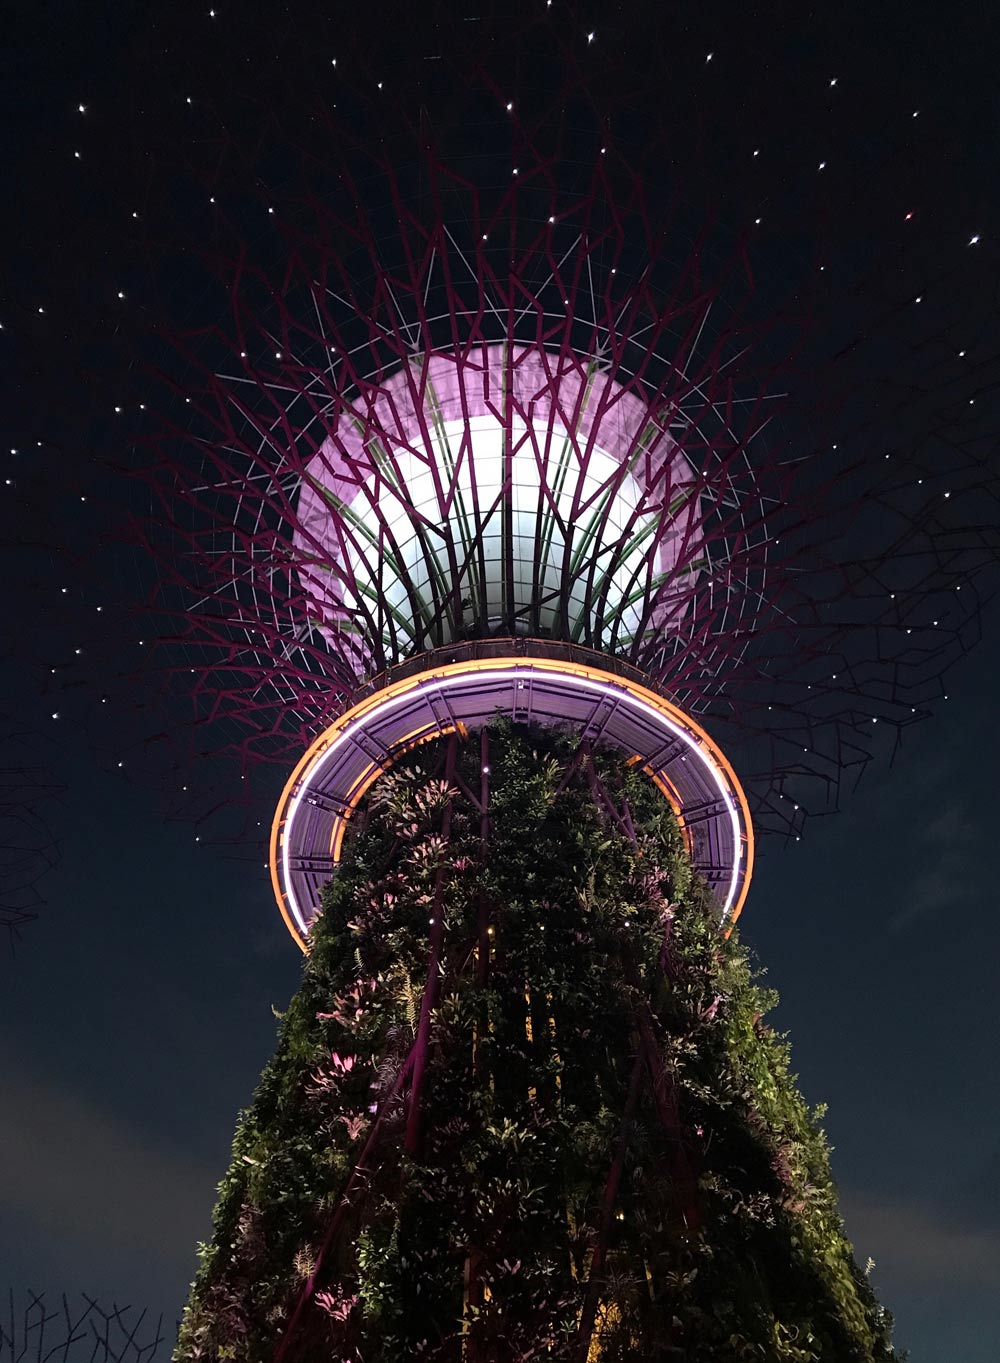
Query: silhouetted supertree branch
{"type": "Point", "coordinates": [36, 1329]}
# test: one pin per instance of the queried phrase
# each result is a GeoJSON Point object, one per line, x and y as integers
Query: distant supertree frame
{"type": "Point", "coordinates": [35, 1328]}
{"type": "Point", "coordinates": [28, 845]}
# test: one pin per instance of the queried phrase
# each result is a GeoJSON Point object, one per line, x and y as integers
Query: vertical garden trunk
{"type": "Point", "coordinates": [524, 1105]}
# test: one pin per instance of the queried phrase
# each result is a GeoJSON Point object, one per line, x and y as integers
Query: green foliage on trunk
{"type": "Point", "coordinates": [583, 1144]}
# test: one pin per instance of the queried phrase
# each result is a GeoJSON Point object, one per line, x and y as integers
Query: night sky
{"type": "Point", "coordinates": [137, 1010]}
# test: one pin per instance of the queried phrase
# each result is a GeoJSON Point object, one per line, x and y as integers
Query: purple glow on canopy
{"type": "Point", "coordinates": [534, 485]}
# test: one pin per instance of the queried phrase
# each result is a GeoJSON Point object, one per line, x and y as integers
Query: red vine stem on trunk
{"type": "Point", "coordinates": [309, 1286]}
{"type": "Point", "coordinates": [665, 1098]}
{"type": "Point", "coordinates": [413, 1116]}
{"type": "Point", "coordinates": [589, 1312]}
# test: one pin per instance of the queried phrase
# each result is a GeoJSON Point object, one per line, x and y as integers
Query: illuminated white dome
{"type": "Point", "coordinates": [535, 524]}
{"type": "Point", "coordinates": [502, 491]}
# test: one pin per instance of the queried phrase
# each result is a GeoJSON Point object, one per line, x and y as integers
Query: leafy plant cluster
{"type": "Point", "coordinates": [525, 1104]}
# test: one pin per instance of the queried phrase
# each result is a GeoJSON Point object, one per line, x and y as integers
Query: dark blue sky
{"type": "Point", "coordinates": [136, 1014]}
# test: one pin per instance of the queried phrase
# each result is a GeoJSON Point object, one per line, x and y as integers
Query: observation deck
{"type": "Point", "coordinates": [464, 686]}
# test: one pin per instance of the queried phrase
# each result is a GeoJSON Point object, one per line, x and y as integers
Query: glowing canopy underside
{"type": "Point", "coordinates": [608, 709]}
{"type": "Point", "coordinates": [507, 489]}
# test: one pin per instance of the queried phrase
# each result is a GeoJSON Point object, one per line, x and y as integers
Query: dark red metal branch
{"type": "Point", "coordinates": [432, 982]}
{"type": "Point", "coordinates": [586, 1327]}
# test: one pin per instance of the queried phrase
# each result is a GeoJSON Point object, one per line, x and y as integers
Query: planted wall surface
{"type": "Point", "coordinates": [525, 1104]}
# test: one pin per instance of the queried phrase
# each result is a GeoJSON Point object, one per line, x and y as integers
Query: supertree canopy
{"type": "Point", "coordinates": [500, 495]}
{"type": "Point", "coordinates": [501, 504]}
{"type": "Point", "coordinates": [508, 433]}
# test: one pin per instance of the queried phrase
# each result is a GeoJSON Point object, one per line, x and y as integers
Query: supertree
{"type": "Point", "coordinates": [494, 500]}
